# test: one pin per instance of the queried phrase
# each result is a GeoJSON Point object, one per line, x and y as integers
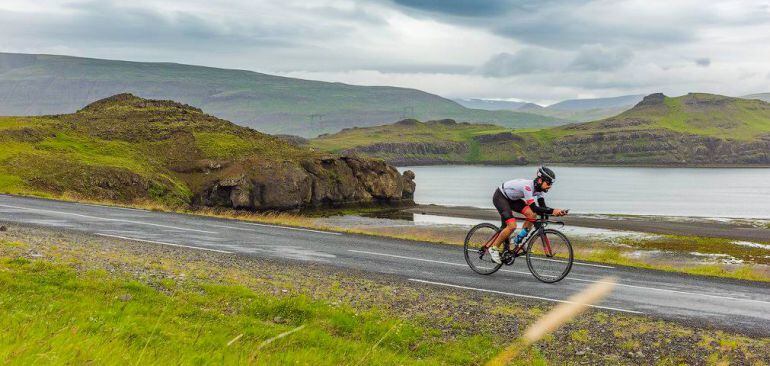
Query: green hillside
{"type": "Point", "coordinates": [47, 84]}
{"type": "Point", "coordinates": [128, 149]}
{"type": "Point", "coordinates": [694, 129]}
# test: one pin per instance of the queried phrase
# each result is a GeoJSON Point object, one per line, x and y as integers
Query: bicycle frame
{"type": "Point", "coordinates": [540, 225]}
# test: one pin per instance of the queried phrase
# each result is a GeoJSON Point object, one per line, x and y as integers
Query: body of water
{"type": "Point", "coordinates": [700, 192]}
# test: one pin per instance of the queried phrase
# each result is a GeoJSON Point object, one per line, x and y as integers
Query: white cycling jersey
{"type": "Point", "coordinates": [520, 189]}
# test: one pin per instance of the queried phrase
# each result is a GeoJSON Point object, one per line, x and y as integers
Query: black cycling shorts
{"type": "Point", "coordinates": [506, 207]}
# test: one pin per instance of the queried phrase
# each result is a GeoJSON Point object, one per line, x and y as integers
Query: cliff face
{"type": "Point", "coordinates": [128, 149]}
{"type": "Point", "coordinates": [662, 147]}
{"type": "Point", "coordinates": [328, 181]}
{"type": "Point", "coordinates": [413, 153]}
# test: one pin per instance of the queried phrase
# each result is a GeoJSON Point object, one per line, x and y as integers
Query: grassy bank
{"type": "Point", "coordinates": [69, 298]}
{"type": "Point", "coordinates": [55, 314]}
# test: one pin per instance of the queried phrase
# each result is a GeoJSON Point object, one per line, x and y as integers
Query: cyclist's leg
{"type": "Point", "coordinates": [503, 206]}
{"type": "Point", "coordinates": [529, 215]}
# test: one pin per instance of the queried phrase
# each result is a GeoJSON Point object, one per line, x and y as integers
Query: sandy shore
{"type": "Point", "coordinates": [729, 229]}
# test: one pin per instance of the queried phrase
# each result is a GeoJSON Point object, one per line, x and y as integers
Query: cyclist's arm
{"type": "Point", "coordinates": [541, 210]}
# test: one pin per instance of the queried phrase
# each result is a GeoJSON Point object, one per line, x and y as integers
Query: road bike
{"type": "Point", "coordinates": [548, 251]}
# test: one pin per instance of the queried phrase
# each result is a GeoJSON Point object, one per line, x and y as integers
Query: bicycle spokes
{"type": "Point", "coordinates": [476, 253]}
{"type": "Point", "coordinates": [550, 255]}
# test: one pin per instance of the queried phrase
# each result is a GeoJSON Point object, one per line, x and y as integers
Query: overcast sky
{"type": "Point", "coordinates": [541, 51]}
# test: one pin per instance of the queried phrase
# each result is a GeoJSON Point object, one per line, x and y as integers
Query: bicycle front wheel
{"type": "Point", "coordinates": [549, 256]}
{"type": "Point", "coordinates": [475, 254]}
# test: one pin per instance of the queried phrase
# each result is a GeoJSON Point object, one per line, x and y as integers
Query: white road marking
{"type": "Point", "coordinates": [520, 295]}
{"type": "Point", "coordinates": [573, 263]}
{"type": "Point", "coordinates": [570, 278]}
{"type": "Point", "coordinates": [675, 291]}
{"type": "Point", "coordinates": [108, 219]}
{"type": "Point", "coordinates": [164, 243]}
{"type": "Point", "coordinates": [403, 257]}
{"type": "Point", "coordinates": [292, 228]}
{"type": "Point", "coordinates": [576, 263]}
{"type": "Point", "coordinates": [232, 227]}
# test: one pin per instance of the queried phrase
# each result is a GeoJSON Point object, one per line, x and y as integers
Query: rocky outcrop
{"type": "Point", "coordinates": [417, 148]}
{"type": "Point", "coordinates": [292, 139]}
{"type": "Point", "coordinates": [330, 181]}
{"type": "Point", "coordinates": [497, 137]}
{"type": "Point", "coordinates": [653, 99]}
{"type": "Point", "coordinates": [653, 147]}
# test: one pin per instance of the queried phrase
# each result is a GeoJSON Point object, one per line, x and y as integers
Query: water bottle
{"type": "Point", "coordinates": [522, 234]}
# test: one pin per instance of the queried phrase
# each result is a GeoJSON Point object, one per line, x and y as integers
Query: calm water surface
{"type": "Point", "coordinates": [728, 192]}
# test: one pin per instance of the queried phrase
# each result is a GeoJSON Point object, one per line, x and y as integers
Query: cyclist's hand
{"type": "Point", "coordinates": [559, 212]}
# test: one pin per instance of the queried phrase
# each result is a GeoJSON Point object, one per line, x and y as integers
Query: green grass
{"type": "Point", "coordinates": [734, 118]}
{"type": "Point", "coordinates": [615, 256]}
{"type": "Point", "coordinates": [430, 132]}
{"type": "Point", "coordinates": [222, 145]}
{"type": "Point", "coordinates": [11, 184]}
{"type": "Point", "coordinates": [92, 151]}
{"type": "Point", "coordinates": [55, 315]}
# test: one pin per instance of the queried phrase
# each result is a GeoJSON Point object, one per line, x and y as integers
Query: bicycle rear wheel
{"type": "Point", "coordinates": [478, 258]}
{"type": "Point", "coordinates": [549, 256]}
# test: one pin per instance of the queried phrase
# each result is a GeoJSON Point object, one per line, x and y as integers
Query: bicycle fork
{"type": "Point", "coordinates": [547, 245]}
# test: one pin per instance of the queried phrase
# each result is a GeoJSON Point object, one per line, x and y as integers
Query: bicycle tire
{"type": "Point", "coordinates": [471, 248]}
{"type": "Point", "coordinates": [530, 257]}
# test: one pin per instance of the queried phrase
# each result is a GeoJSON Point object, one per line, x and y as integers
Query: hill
{"type": "Point", "coordinates": [412, 142]}
{"type": "Point", "coordinates": [576, 110]}
{"type": "Point", "coordinates": [47, 84]}
{"type": "Point", "coordinates": [694, 129]}
{"type": "Point", "coordinates": [761, 96]}
{"type": "Point", "coordinates": [128, 149]}
{"type": "Point", "coordinates": [496, 105]}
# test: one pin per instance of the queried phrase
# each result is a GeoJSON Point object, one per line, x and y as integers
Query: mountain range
{"type": "Point", "coordinates": [576, 110]}
{"type": "Point", "coordinates": [47, 84]}
{"type": "Point", "coordinates": [696, 129]}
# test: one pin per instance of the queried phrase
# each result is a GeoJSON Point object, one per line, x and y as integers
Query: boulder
{"type": "Point", "coordinates": [327, 181]}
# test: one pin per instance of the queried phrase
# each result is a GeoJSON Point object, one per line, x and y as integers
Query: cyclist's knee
{"type": "Point", "coordinates": [510, 224]}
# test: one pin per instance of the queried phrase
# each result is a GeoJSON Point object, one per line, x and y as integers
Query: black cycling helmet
{"type": "Point", "coordinates": [546, 174]}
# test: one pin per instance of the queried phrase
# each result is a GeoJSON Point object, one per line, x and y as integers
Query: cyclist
{"type": "Point", "coordinates": [519, 195]}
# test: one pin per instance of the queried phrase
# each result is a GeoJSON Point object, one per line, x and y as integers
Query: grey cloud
{"type": "Point", "coordinates": [571, 24]}
{"type": "Point", "coordinates": [526, 60]}
{"type": "Point", "coordinates": [598, 58]}
{"type": "Point", "coordinates": [703, 61]}
{"type": "Point", "coordinates": [466, 8]}
{"type": "Point", "coordinates": [114, 24]}
{"type": "Point", "coordinates": [531, 60]}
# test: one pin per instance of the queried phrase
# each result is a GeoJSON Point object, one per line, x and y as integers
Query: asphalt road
{"type": "Point", "coordinates": [729, 304]}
